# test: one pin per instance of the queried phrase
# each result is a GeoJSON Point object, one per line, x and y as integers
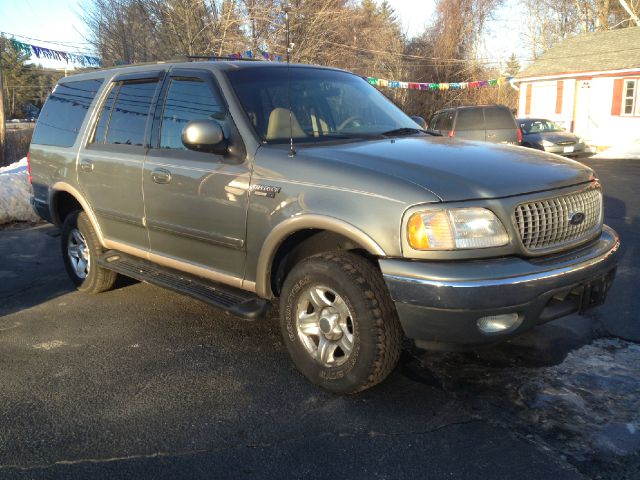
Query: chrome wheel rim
{"type": "Point", "coordinates": [78, 253]}
{"type": "Point", "coordinates": [325, 326]}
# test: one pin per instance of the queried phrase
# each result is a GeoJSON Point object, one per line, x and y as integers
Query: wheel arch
{"type": "Point", "coordinates": [62, 200]}
{"type": "Point", "coordinates": [303, 236]}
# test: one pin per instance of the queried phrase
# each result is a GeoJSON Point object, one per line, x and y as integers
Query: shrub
{"type": "Point", "coordinates": [17, 145]}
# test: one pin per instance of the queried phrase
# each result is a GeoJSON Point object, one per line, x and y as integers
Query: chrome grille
{"type": "Point", "coordinates": [545, 224]}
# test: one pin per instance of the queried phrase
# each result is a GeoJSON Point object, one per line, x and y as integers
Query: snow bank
{"type": "Point", "coordinates": [15, 194]}
{"type": "Point", "coordinates": [629, 150]}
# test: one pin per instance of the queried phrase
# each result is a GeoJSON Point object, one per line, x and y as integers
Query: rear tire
{"type": "Point", "coordinates": [80, 252]}
{"type": "Point", "coordinates": [339, 323]}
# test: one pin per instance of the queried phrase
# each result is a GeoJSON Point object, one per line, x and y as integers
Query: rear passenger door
{"type": "Point", "coordinates": [470, 124]}
{"type": "Point", "coordinates": [196, 202]}
{"type": "Point", "coordinates": [110, 165]}
{"type": "Point", "coordinates": [501, 125]}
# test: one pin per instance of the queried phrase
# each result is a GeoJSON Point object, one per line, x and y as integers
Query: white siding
{"type": "Point", "coordinates": [611, 130]}
{"type": "Point", "coordinates": [592, 109]}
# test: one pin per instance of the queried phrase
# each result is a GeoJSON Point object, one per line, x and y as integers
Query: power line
{"type": "Point", "coordinates": [77, 50]}
{"type": "Point", "coordinates": [57, 42]}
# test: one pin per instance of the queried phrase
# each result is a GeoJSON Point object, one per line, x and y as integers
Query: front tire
{"type": "Point", "coordinates": [339, 323]}
{"type": "Point", "coordinates": [80, 252]}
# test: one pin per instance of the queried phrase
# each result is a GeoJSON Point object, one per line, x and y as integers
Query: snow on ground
{"type": "Point", "coordinates": [629, 150]}
{"type": "Point", "coordinates": [587, 406]}
{"type": "Point", "coordinates": [15, 194]}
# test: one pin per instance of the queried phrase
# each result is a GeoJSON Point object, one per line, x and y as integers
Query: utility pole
{"type": "Point", "coordinates": [3, 133]}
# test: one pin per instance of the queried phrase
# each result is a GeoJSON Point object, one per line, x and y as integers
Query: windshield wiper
{"type": "Point", "coordinates": [339, 135]}
{"type": "Point", "coordinates": [406, 131]}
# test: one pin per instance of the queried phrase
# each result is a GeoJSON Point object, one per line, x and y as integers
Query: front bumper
{"type": "Point", "coordinates": [439, 303]}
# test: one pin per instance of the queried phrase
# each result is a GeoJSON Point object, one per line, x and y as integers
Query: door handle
{"type": "Point", "coordinates": [161, 176]}
{"type": "Point", "coordinates": [86, 165]}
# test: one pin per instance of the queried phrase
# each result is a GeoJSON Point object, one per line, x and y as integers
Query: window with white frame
{"type": "Point", "coordinates": [629, 98]}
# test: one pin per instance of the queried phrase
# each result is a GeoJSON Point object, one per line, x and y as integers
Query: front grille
{"type": "Point", "coordinates": [545, 224]}
{"type": "Point", "coordinates": [568, 142]}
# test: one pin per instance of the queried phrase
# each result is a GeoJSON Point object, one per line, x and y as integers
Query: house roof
{"type": "Point", "coordinates": [611, 50]}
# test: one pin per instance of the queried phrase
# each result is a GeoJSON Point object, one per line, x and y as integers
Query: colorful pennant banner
{"type": "Point", "coordinates": [41, 52]}
{"type": "Point", "coordinates": [89, 61]}
{"type": "Point", "coordinates": [381, 82]}
{"type": "Point", "coordinates": [259, 54]}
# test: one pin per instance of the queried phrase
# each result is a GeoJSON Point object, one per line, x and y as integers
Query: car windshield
{"type": "Point", "coordinates": [315, 104]}
{"type": "Point", "coordinates": [539, 126]}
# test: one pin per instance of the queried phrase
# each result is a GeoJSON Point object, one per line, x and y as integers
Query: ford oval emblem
{"type": "Point", "coordinates": [576, 218]}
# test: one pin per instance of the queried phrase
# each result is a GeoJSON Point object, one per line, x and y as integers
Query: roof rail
{"type": "Point", "coordinates": [202, 58]}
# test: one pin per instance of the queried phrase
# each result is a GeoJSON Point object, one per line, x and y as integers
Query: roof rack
{"type": "Point", "coordinates": [202, 58]}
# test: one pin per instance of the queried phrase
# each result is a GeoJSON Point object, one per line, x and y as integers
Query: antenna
{"type": "Point", "coordinates": [286, 8]}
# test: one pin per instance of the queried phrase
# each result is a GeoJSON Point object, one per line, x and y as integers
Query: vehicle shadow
{"type": "Point", "coordinates": [31, 268]}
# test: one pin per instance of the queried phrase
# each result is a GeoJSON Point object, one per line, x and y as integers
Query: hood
{"type": "Point", "coordinates": [458, 170]}
{"type": "Point", "coordinates": [554, 137]}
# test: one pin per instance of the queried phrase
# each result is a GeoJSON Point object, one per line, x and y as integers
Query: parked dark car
{"type": "Point", "coordinates": [486, 123]}
{"type": "Point", "coordinates": [550, 137]}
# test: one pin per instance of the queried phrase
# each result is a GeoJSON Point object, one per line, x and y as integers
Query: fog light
{"type": "Point", "coordinates": [497, 323]}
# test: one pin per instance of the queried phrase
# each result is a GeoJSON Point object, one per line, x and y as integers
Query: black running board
{"type": "Point", "coordinates": [235, 301]}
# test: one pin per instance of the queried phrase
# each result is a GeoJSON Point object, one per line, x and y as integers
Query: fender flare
{"type": "Point", "coordinates": [75, 193]}
{"type": "Point", "coordinates": [306, 221]}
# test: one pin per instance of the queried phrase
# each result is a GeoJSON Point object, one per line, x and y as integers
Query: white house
{"type": "Point", "coordinates": [589, 84]}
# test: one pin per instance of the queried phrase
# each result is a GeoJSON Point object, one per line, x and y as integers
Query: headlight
{"type": "Point", "coordinates": [547, 143]}
{"type": "Point", "coordinates": [455, 228]}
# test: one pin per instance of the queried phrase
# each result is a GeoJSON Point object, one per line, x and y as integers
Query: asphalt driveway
{"type": "Point", "coordinates": [141, 382]}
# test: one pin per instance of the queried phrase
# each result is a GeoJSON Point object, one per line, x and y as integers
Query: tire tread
{"type": "Point", "coordinates": [386, 327]}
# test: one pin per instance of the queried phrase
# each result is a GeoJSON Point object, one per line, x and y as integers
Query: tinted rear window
{"type": "Point", "coordinates": [498, 118]}
{"type": "Point", "coordinates": [63, 113]}
{"type": "Point", "coordinates": [470, 119]}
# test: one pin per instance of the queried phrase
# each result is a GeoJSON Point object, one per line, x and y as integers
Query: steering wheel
{"type": "Point", "coordinates": [349, 120]}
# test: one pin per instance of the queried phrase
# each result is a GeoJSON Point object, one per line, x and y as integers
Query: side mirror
{"type": "Point", "coordinates": [420, 121]}
{"type": "Point", "coordinates": [204, 136]}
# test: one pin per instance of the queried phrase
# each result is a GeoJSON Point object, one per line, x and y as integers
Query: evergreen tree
{"type": "Point", "coordinates": [513, 65]}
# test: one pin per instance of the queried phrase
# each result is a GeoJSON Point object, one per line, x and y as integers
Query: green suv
{"type": "Point", "coordinates": [245, 184]}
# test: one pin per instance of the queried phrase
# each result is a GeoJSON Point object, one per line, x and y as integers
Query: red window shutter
{"type": "Point", "coordinates": [559, 91]}
{"type": "Point", "coordinates": [616, 105]}
{"type": "Point", "coordinates": [527, 105]}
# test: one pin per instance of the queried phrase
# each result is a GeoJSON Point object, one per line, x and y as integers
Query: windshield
{"type": "Point", "coordinates": [325, 104]}
{"type": "Point", "coordinates": [539, 126]}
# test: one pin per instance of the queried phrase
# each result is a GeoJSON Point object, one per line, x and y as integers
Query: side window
{"type": "Point", "coordinates": [187, 99]}
{"type": "Point", "coordinates": [100, 133]}
{"type": "Point", "coordinates": [433, 122]}
{"type": "Point", "coordinates": [130, 111]}
{"type": "Point", "coordinates": [470, 119]}
{"type": "Point", "coordinates": [445, 121]}
{"type": "Point", "coordinates": [64, 112]}
{"type": "Point", "coordinates": [498, 118]}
